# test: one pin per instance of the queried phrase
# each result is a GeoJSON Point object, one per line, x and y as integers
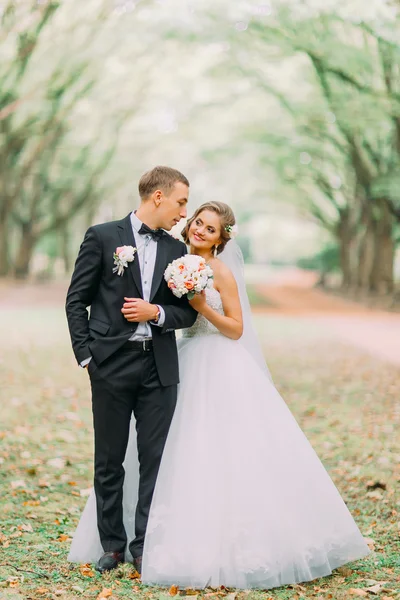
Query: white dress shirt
{"type": "Point", "coordinates": [146, 248]}
{"type": "Point", "coordinates": [146, 252]}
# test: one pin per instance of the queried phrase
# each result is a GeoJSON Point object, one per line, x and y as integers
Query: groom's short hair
{"type": "Point", "coordinates": [160, 178]}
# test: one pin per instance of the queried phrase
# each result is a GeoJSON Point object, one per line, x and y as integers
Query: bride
{"type": "Point", "coordinates": [241, 498]}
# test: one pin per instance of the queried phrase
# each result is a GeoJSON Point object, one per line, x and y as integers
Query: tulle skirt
{"type": "Point", "coordinates": [241, 499]}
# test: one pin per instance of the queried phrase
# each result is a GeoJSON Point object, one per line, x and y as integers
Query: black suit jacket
{"type": "Point", "coordinates": [94, 285]}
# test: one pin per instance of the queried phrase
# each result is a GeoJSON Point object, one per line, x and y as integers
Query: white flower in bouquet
{"type": "Point", "coordinates": [188, 275]}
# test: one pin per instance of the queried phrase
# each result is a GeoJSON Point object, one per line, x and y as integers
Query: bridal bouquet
{"type": "Point", "coordinates": [188, 275]}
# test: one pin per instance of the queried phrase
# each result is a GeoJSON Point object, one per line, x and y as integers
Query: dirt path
{"type": "Point", "coordinates": [14, 294]}
{"type": "Point", "coordinates": [300, 299]}
{"type": "Point", "coordinates": [374, 331]}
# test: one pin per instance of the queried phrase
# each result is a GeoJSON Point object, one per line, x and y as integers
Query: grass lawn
{"type": "Point", "coordinates": [347, 403]}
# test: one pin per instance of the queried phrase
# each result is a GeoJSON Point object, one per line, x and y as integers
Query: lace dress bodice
{"type": "Point", "coordinates": [202, 326]}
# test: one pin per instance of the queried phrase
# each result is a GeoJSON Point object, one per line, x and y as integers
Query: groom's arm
{"type": "Point", "coordinates": [178, 314]}
{"type": "Point", "coordinates": [181, 316]}
{"type": "Point", "coordinates": [82, 290]}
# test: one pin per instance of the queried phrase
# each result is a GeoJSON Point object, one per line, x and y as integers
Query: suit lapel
{"type": "Point", "coordinates": [128, 239]}
{"type": "Point", "coordinates": [160, 266]}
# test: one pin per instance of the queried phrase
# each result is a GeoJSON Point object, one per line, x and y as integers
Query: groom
{"type": "Point", "coordinates": [127, 343]}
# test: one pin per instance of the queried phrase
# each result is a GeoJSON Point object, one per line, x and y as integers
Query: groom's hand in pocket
{"type": "Point", "coordinates": [136, 310]}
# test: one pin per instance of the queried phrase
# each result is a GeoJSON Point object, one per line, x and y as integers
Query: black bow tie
{"type": "Point", "coordinates": [155, 233]}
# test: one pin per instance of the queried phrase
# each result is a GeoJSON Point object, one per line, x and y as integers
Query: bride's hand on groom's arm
{"type": "Point", "coordinates": [136, 310]}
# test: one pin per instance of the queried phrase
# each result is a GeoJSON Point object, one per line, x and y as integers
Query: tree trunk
{"type": "Point", "coordinates": [344, 236]}
{"type": "Point", "coordinates": [25, 251]}
{"type": "Point", "coordinates": [90, 215]}
{"type": "Point", "coordinates": [366, 249]}
{"type": "Point", "coordinates": [4, 248]}
{"type": "Point", "coordinates": [382, 278]}
{"type": "Point", "coordinates": [64, 247]}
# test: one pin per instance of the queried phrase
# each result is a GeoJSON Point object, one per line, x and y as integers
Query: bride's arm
{"type": "Point", "coordinates": [230, 323]}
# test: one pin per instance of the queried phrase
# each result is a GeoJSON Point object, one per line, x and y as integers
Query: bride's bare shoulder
{"type": "Point", "coordinates": [222, 272]}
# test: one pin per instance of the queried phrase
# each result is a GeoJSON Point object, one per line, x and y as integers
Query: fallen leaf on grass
{"type": "Point", "coordinates": [17, 534]}
{"type": "Point", "coordinates": [19, 483]}
{"type": "Point", "coordinates": [13, 582]}
{"type": "Point", "coordinates": [31, 503]}
{"type": "Point", "coordinates": [173, 590]}
{"type": "Point", "coordinates": [375, 495]}
{"type": "Point", "coordinates": [105, 593]}
{"type": "Point", "coordinates": [76, 588]}
{"type": "Point", "coordinates": [297, 586]}
{"type": "Point", "coordinates": [63, 538]}
{"type": "Point", "coordinates": [86, 570]}
{"type": "Point", "coordinates": [134, 575]}
{"type": "Point", "coordinates": [43, 483]}
{"type": "Point", "coordinates": [42, 591]}
{"type": "Point", "coordinates": [357, 592]}
{"type": "Point", "coordinates": [66, 436]}
{"type": "Point", "coordinates": [26, 527]}
{"type": "Point", "coordinates": [345, 571]}
{"type": "Point", "coordinates": [370, 543]}
{"type": "Point", "coordinates": [58, 463]}
{"type": "Point", "coordinates": [377, 588]}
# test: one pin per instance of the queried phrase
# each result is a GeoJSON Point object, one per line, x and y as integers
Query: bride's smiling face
{"type": "Point", "coordinates": [205, 231]}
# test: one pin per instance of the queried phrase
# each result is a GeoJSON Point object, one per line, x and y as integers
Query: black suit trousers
{"type": "Point", "coordinates": [127, 383]}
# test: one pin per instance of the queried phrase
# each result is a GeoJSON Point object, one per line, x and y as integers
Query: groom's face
{"type": "Point", "coordinates": [172, 207]}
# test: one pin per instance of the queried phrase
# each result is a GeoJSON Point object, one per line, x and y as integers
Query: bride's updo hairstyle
{"type": "Point", "coordinates": [226, 217]}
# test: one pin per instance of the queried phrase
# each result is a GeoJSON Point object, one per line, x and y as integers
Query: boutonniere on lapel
{"type": "Point", "coordinates": [122, 256]}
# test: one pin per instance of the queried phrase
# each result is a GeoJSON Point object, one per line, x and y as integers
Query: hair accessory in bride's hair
{"type": "Point", "coordinates": [232, 230]}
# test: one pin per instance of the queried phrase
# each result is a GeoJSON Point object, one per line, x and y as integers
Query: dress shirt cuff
{"type": "Point", "coordinates": [161, 318]}
{"type": "Point", "coordinates": [86, 361]}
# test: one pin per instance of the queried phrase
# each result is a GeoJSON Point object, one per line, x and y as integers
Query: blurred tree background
{"type": "Point", "coordinates": [289, 111]}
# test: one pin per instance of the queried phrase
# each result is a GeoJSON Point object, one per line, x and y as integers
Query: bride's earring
{"type": "Point", "coordinates": [215, 251]}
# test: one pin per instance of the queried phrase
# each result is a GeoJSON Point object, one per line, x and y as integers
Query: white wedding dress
{"type": "Point", "coordinates": [241, 499]}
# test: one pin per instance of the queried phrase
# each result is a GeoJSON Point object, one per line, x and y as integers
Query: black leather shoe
{"type": "Point", "coordinates": [109, 561]}
{"type": "Point", "coordinates": [137, 563]}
